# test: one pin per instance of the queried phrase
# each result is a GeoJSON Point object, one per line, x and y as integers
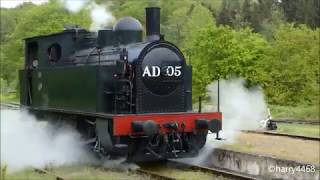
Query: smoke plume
{"type": "Point", "coordinates": [74, 6]}
{"type": "Point", "coordinates": [26, 142]}
{"type": "Point", "coordinates": [100, 15]}
{"type": "Point", "coordinates": [120, 164]}
{"type": "Point", "coordinates": [241, 108]}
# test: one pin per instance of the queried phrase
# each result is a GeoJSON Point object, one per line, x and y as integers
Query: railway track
{"type": "Point", "coordinates": [14, 106]}
{"type": "Point", "coordinates": [154, 175]}
{"type": "Point", "coordinates": [170, 164]}
{"type": "Point", "coordinates": [297, 121]}
{"type": "Point", "coordinates": [173, 164]}
{"type": "Point", "coordinates": [49, 173]}
{"type": "Point", "coordinates": [269, 133]}
{"type": "Point", "coordinates": [213, 171]}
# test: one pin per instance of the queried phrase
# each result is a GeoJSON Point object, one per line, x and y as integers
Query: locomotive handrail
{"type": "Point", "coordinates": [88, 62]}
{"type": "Point", "coordinates": [218, 108]}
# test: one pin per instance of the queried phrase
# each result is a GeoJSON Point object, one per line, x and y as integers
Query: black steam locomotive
{"type": "Point", "coordinates": [125, 95]}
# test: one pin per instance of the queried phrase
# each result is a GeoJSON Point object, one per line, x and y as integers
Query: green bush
{"type": "Point", "coordinates": [221, 52]}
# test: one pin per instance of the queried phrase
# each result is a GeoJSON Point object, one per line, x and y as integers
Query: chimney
{"type": "Point", "coordinates": [153, 23]}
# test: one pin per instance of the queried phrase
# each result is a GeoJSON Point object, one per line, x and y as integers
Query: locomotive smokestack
{"type": "Point", "coordinates": [153, 23]}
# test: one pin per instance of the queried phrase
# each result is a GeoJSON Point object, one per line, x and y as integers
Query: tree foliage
{"type": "Point", "coordinates": [221, 52]}
{"type": "Point", "coordinates": [287, 67]}
{"type": "Point", "coordinates": [292, 66]}
{"type": "Point", "coordinates": [33, 21]}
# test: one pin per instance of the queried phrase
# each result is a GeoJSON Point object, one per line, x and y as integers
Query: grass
{"type": "Point", "coordinates": [75, 172]}
{"type": "Point", "coordinates": [241, 147]}
{"type": "Point", "coordinates": [28, 174]}
{"type": "Point", "coordinates": [3, 172]}
{"type": "Point", "coordinates": [180, 173]}
{"type": "Point", "coordinates": [9, 98]}
{"type": "Point", "coordinates": [302, 112]}
{"type": "Point", "coordinates": [299, 129]}
{"type": "Point", "coordinates": [78, 172]}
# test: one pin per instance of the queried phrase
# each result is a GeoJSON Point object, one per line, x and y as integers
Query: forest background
{"type": "Point", "coordinates": [270, 43]}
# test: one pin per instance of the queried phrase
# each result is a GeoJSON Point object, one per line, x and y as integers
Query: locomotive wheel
{"type": "Point", "coordinates": [197, 141]}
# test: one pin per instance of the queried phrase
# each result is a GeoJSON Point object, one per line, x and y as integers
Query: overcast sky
{"type": "Point", "coordinates": [14, 3]}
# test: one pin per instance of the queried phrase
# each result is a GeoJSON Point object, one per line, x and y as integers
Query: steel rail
{"type": "Point", "coordinates": [213, 171]}
{"type": "Point", "coordinates": [154, 175]}
{"type": "Point", "coordinates": [140, 171]}
{"type": "Point", "coordinates": [296, 121]}
{"type": "Point", "coordinates": [13, 106]}
{"type": "Point", "coordinates": [282, 134]}
{"type": "Point", "coordinates": [42, 171]}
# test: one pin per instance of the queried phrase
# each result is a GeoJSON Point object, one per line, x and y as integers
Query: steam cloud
{"type": "Point", "coordinates": [241, 108]}
{"type": "Point", "coordinates": [100, 15]}
{"type": "Point", "coordinates": [26, 142]}
{"type": "Point", "coordinates": [74, 6]}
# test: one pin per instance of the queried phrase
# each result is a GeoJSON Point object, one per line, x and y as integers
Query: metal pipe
{"type": "Point", "coordinates": [218, 96]}
{"type": "Point", "coordinates": [200, 102]}
{"type": "Point", "coordinates": [153, 23]}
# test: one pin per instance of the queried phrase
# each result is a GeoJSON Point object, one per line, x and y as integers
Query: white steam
{"type": "Point", "coordinates": [74, 6]}
{"type": "Point", "coordinates": [26, 142]}
{"type": "Point", "coordinates": [120, 164]}
{"type": "Point", "coordinates": [241, 108]}
{"type": "Point", "coordinates": [100, 15]}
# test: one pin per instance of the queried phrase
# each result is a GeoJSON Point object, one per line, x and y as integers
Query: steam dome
{"type": "Point", "coordinates": [127, 23]}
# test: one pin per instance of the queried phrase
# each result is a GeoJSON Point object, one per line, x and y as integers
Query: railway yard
{"type": "Point", "coordinates": [159, 90]}
{"type": "Point", "coordinates": [252, 155]}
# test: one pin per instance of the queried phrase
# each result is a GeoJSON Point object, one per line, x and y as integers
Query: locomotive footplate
{"type": "Point", "coordinates": [163, 136]}
{"type": "Point", "coordinates": [140, 124]}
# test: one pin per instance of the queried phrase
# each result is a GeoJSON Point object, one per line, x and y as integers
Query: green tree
{"type": "Point", "coordinates": [302, 11]}
{"type": "Point", "coordinates": [273, 22]}
{"type": "Point", "coordinates": [225, 15]}
{"type": "Point", "coordinates": [9, 19]}
{"type": "Point", "coordinates": [292, 66]}
{"type": "Point", "coordinates": [184, 22]}
{"type": "Point", "coordinates": [135, 9]}
{"type": "Point", "coordinates": [221, 52]}
{"type": "Point", "coordinates": [33, 21]}
{"type": "Point", "coordinates": [247, 11]}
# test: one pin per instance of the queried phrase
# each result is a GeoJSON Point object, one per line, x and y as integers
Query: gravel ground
{"type": "Point", "coordinates": [282, 147]}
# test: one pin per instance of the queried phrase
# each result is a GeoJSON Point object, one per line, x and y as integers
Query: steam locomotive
{"type": "Point", "coordinates": [125, 95]}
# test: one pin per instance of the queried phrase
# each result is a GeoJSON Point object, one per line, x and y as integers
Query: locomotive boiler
{"type": "Point", "coordinates": [127, 95]}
